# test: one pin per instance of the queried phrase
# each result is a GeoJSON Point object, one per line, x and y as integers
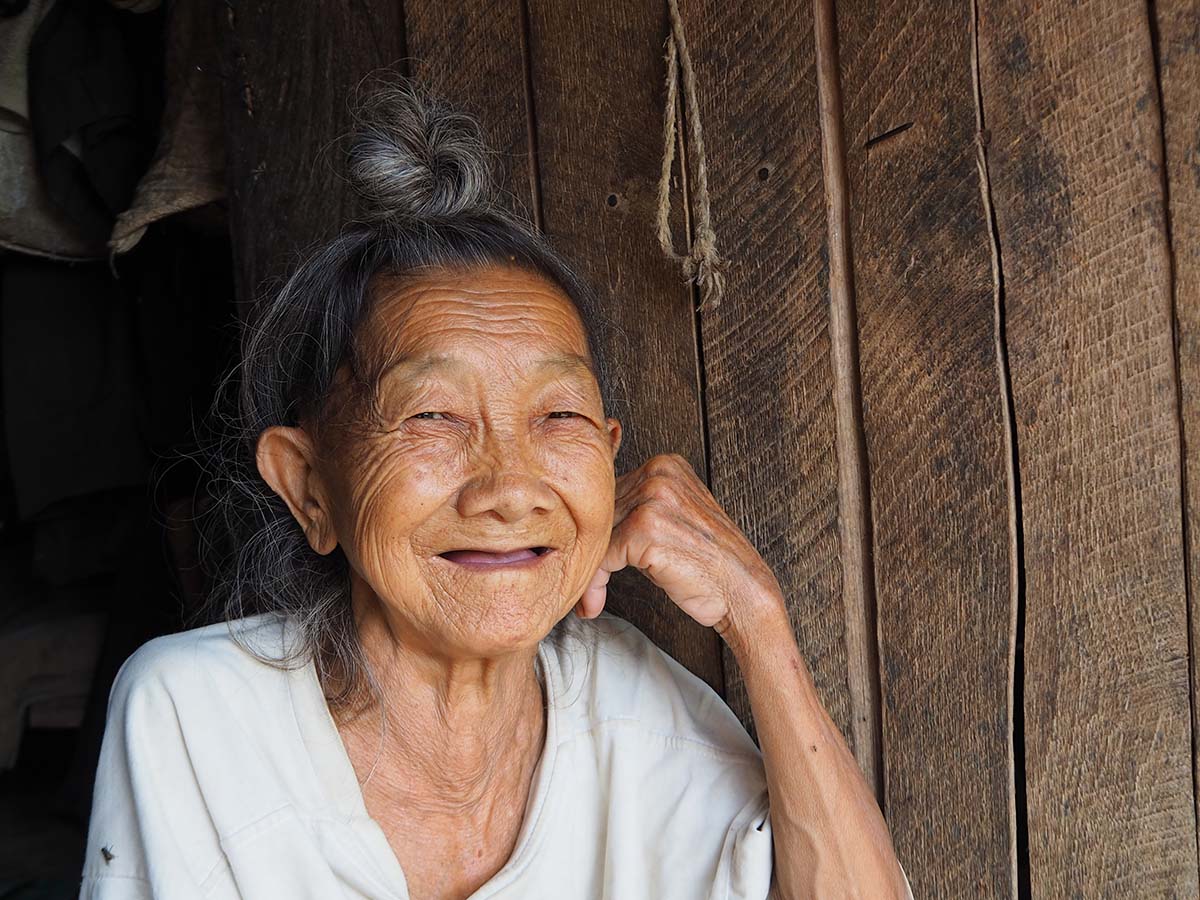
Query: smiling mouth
{"type": "Point", "coordinates": [488, 558]}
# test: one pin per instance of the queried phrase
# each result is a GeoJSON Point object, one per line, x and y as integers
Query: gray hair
{"type": "Point", "coordinates": [420, 170]}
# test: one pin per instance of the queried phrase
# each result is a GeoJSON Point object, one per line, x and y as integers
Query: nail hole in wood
{"type": "Point", "coordinates": [764, 172]}
{"type": "Point", "coordinates": [613, 200]}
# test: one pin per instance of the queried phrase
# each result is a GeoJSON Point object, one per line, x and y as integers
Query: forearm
{"type": "Point", "coordinates": [830, 839]}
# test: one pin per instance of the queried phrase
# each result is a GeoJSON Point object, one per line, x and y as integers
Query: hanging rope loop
{"type": "Point", "coordinates": [701, 265]}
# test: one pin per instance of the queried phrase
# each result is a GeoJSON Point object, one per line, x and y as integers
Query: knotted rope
{"type": "Point", "coordinates": [701, 265]}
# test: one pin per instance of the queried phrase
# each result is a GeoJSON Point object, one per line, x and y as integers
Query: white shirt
{"type": "Point", "coordinates": [223, 777]}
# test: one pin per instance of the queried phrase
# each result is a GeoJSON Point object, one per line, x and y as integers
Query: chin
{"type": "Point", "coordinates": [511, 627]}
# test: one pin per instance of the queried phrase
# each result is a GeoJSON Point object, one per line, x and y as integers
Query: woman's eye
{"type": "Point", "coordinates": [419, 415]}
{"type": "Point", "coordinates": [563, 412]}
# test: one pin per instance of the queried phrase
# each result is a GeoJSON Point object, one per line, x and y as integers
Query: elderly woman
{"type": "Point", "coordinates": [413, 689]}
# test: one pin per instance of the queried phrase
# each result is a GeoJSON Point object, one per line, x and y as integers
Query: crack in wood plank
{"type": "Point", "coordinates": [1018, 815]}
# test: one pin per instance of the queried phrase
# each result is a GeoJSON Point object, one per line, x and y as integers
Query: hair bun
{"type": "Point", "coordinates": [413, 158]}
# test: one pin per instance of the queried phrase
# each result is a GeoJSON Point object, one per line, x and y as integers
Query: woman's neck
{"type": "Point", "coordinates": [462, 734]}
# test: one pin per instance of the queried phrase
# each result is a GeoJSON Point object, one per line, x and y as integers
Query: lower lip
{"type": "Point", "coordinates": [528, 562]}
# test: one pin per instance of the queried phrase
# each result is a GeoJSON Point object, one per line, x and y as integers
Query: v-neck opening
{"type": "Point", "coordinates": [339, 786]}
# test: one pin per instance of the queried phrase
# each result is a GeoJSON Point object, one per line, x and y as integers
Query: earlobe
{"type": "Point", "coordinates": [614, 434]}
{"type": "Point", "coordinates": [284, 457]}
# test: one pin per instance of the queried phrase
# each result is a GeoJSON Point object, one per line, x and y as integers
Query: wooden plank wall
{"type": "Point", "coordinates": [770, 383]}
{"type": "Point", "coordinates": [286, 93]}
{"type": "Point", "coordinates": [1074, 167]}
{"type": "Point", "coordinates": [936, 422]}
{"type": "Point", "coordinates": [1176, 29]}
{"type": "Point", "coordinates": [953, 392]}
{"type": "Point", "coordinates": [596, 71]}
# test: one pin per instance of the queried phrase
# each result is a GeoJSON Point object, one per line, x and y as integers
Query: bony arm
{"type": "Point", "coordinates": [830, 839]}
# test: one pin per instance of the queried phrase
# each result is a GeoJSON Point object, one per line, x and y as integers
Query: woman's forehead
{"type": "Point", "coordinates": [437, 313]}
{"type": "Point", "coordinates": [490, 318]}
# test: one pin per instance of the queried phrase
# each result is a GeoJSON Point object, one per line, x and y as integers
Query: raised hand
{"type": "Point", "coordinates": [670, 527]}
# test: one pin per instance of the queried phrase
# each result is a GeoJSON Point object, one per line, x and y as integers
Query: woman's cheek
{"type": "Point", "coordinates": [583, 478]}
{"type": "Point", "coordinates": [594, 512]}
{"type": "Point", "coordinates": [388, 493]}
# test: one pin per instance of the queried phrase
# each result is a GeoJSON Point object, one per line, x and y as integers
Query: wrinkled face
{"type": "Point", "coordinates": [487, 434]}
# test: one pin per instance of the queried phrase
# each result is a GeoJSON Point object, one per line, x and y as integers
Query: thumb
{"type": "Point", "coordinates": [592, 601]}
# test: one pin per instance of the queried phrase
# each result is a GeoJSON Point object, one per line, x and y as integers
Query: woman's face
{"type": "Point", "coordinates": [487, 433]}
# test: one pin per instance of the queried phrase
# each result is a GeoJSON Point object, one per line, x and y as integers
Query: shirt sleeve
{"type": "Point", "coordinates": [149, 835]}
{"type": "Point", "coordinates": [748, 860]}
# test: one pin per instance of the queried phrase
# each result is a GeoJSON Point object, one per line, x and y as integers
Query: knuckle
{"type": "Point", "coordinates": [668, 465]}
{"type": "Point", "coordinates": [658, 488]}
{"type": "Point", "coordinates": [669, 462]}
{"type": "Point", "coordinates": [657, 465]}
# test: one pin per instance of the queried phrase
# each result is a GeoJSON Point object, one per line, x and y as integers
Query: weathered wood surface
{"type": "Point", "coordinates": [768, 382]}
{"type": "Point", "coordinates": [1021, 412]}
{"type": "Point", "coordinates": [289, 70]}
{"type": "Point", "coordinates": [470, 53]}
{"type": "Point", "coordinates": [597, 71]}
{"type": "Point", "coordinates": [934, 414]}
{"type": "Point", "coordinates": [1074, 160]}
{"type": "Point", "coordinates": [1178, 46]}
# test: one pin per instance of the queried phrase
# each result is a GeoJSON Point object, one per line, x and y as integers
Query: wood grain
{"type": "Point", "coordinates": [1074, 160]}
{"type": "Point", "coordinates": [1177, 24]}
{"type": "Point", "coordinates": [289, 74]}
{"type": "Point", "coordinates": [854, 517]}
{"type": "Point", "coordinates": [934, 414]}
{"type": "Point", "coordinates": [471, 54]}
{"type": "Point", "coordinates": [1030, 427]}
{"type": "Point", "coordinates": [597, 73]}
{"type": "Point", "coordinates": [769, 384]}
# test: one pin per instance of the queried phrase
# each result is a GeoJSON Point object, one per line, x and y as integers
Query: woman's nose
{"type": "Point", "coordinates": [507, 481]}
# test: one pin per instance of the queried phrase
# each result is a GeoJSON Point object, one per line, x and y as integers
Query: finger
{"type": "Point", "coordinates": [631, 544]}
{"type": "Point", "coordinates": [596, 593]}
{"type": "Point", "coordinates": [627, 494]}
{"type": "Point", "coordinates": [623, 506]}
{"type": "Point", "coordinates": [633, 495]}
{"type": "Point", "coordinates": [626, 547]}
{"type": "Point", "coordinates": [633, 476]}
{"type": "Point", "coordinates": [628, 484]}
{"type": "Point", "coordinates": [641, 541]}
{"type": "Point", "coordinates": [592, 602]}
{"type": "Point", "coordinates": [682, 481]}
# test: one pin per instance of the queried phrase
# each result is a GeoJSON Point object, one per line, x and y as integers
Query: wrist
{"type": "Point", "coordinates": [753, 621]}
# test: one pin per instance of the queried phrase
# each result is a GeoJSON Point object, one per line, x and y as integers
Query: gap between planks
{"type": "Point", "coordinates": [1163, 162]}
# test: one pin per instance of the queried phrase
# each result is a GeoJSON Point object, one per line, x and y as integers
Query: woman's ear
{"type": "Point", "coordinates": [614, 434]}
{"type": "Point", "coordinates": [285, 460]}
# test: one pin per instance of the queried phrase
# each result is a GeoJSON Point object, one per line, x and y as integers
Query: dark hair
{"type": "Point", "coordinates": [420, 170]}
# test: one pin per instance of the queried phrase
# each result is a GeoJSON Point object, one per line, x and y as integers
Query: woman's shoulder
{"type": "Point", "coordinates": [208, 661]}
{"type": "Point", "coordinates": [614, 675]}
